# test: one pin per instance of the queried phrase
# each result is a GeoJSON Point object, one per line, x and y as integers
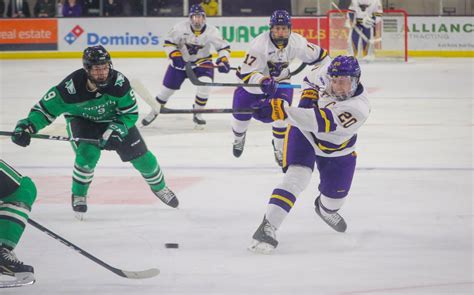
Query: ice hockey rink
{"type": "Point", "coordinates": [409, 213]}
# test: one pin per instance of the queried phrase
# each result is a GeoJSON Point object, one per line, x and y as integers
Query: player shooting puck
{"type": "Point", "coordinates": [172, 245]}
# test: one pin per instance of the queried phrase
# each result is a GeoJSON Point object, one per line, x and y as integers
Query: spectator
{"type": "Point", "coordinates": [211, 8]}
{"type": "Point", "coordinates": [18, 8]}
{"type": "Point", "coordinates": [72, 9]}
{"type": "Point", "coordinates": [2, 8]}
{"type": "Point", "coordinates": [45, 8]}
{"type": "Point", "coordinates": [113, 8]}
{"type": "Point", "coordinates": [91, 7]}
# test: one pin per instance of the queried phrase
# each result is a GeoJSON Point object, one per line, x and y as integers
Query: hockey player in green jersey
{"type": "Point", "coordinates": [98, 103]}
{"type": "Point", "coordinates": [17, 195]}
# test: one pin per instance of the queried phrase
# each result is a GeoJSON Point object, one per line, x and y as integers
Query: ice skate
{"type": "Point", "coordinates": [198, 120]}
{"type": "Point", "coordinates": [149, 118]}
{"type": "Point", "coordinates": [167, 197]}
{"type": "Point", "coordinates": [21, 274]}
{"type": "Point", "coordinates": [264, 239]}
{"type": "Point", "coordinates": [79, 206]}
{"type": "Point", "coordinates": [334, 220]}
{"type": "Point", "coordinates": [238, 146]}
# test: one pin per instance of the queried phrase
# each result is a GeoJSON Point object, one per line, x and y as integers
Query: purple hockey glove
{"type": "Point", "coordinates": [269, 110]}
{"type": "Point", "coordinates": [177, 59]}
{"type": "Point", "coordinates": [223, 64]}
{"type": "Point", "coordinates": [268, 85]}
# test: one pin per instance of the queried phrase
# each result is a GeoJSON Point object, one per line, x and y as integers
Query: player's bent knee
{"type": "Point", "coordinates": [145, 163]}
{"type": "Point", "coordinates": [203, 91]}
{"type": "Point", "coordinates": [24, 196]}
{"type": "Point", "coordinates": [88, 154]}
{"type": "Point", "coordinates": [296, 178]}
{"type": "Point", "coordinates": [164, 93]}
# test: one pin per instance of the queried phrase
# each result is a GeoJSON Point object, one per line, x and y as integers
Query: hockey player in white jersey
{"type": "Point", "coordinates": [266, 63]}
{"type": "Point", "coordinates": [191, 41]}
{"type": "Point", "coordinates": [323, 130]}
{"type": "Point", "coordinates": [364, 15]}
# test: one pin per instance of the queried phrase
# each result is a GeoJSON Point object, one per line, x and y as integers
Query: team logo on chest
{"type": "Point", "coordinates": [70, 87]}
{"type": "Point", "coordinates": [193, 48]}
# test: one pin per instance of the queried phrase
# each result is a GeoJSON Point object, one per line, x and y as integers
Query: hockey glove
{"type": "Point", "coordinates": [269, 110]}
{"type": "Point", "coordinates": [268, 85]}
{"type": "Point", "coordinates": [113, 136]}
{"type": "Point", "coordinates": [223, 64]}
{"type": "Point", "coordinates": [368, 22]}
{"type": "Point", "coordinates": [22, 133]}
{"type": "Point", "coordinates": [309, 98]}
{"type": "Point", "coordinates": [177, 59]}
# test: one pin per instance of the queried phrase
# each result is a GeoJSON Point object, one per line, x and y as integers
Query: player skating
{"type": "Point", "coordinates": [191, 41]}
{"type": "Point", "coordinates": [265, 63]}
{"type": "Point", "coordinates": [97, 102]}
{"type": "Point", "coordinates": [17, 195]}
{"type": "Point", "coordinates": [322, 130]}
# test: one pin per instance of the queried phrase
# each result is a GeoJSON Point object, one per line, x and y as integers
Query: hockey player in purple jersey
{"type": "Point", "coordinates": [191, 41]}
{"type": "Point", "coordinates": [322, 130]}
{"type": "Point", "coordinates": [266, 63]}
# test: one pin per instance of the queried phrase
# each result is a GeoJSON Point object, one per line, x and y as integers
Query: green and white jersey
{"type": "Point", "coordinates": [71, 97]}
{"type": "Point", "coordinates": [9, 179]}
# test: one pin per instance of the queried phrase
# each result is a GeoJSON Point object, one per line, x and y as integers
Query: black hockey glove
{"type": "Point", "coordinates": [113, 136]}
{"type": "Point", "coordinates": [22, 133]}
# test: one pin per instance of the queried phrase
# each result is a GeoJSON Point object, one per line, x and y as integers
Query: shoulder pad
{"type": "Point", "coordinates": [119, 86]}
{"type": "Point", "coordinates": [73, 87]}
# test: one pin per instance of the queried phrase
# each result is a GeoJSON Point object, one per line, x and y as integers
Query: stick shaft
{"type": "Point", "coordinates": [56, 137]}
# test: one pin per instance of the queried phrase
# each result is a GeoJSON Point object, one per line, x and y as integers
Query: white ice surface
{"type": "Point", "coordinates": [409, 213]}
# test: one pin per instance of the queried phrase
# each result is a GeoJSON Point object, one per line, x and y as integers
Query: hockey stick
{"type": "Point", "coordinates": [212, 66]}
{"type": "Point", "coordinates": [56, 137]}
{"type": "Point", "coordinates": [294, 73]}
{"type": "Point", "coordinates": [205, 111]}
{"type": "Point", "coordinates": [143, 274]}
{"type": "Point", "coordinates": [192, 77]}
{"type": "Point", "coordinates": [143, 92]}
{"type": "Point", "coordinates": [355, 28]}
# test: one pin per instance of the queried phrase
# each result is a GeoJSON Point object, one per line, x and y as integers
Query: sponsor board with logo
{"type": "Point", "coordinates": [28, 34]}
{"type": "Point", "coordinates": [441, 33]}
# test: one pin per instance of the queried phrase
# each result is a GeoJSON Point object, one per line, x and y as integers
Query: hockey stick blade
{"type": "Point", "coordinates": [143, 274]}
{"type": "Point", "coordinates": [143, 92]}
{"type": "Point", "coordinates": [56, 137]}
{"type": "Point", "coordinates": [192, 77]}
{"type": "Point", "coordinates": [205, 111]}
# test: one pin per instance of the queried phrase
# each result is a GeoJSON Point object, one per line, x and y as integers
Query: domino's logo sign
{"type": "Point", "coordinates": [74, 34]}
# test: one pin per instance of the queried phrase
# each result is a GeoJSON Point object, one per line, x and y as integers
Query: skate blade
{"type": "Point", "coordinates": [199, 127]}
{"type": "Point", "coordinates": [79, 216]}
{"type": "Point", "coordinates": [261, 248]}
{"type": "Point", "coordinates": [20, 279]}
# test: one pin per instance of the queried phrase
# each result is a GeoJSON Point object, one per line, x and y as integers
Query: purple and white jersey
{"type": "Point", "coordinates": [263, 53]}
{"type": "Point", "coordinates": [366, 8]}
{"type": "Point", "coordinates": [195, 46]}
{"type": "Point", "coordinates": [331, 127]}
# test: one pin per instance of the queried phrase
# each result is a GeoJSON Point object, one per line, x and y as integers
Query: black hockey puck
{"type": "Point", "coordinates": [172, 245]}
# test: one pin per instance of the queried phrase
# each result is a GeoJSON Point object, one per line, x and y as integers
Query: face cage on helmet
{"type": "Point", "coordinates": [341, 97]}
{"type": "Point", "coordinates": [100, 84]}
{"type": "Point", "coordinates": [197, 27]}
{"type": "Point", "coordinates": [283, 40]}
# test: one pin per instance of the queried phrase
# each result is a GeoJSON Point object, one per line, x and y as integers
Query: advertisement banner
{"type": "Point", "coordinates": [148, 34]}
{"type": "Point", "coordinates": [28, 34]}
{"type": "Point", "coordinates": [441, 33]}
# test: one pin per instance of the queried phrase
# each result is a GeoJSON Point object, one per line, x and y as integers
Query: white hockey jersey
{"type": "Point", "coordinates": [366, 8]}
{"type": "Point", "coordinates": [332, 127]}
{"type": "Point", "coordinates": [195, 46]}
{"type": "Point", "coordinates": [263, 51]}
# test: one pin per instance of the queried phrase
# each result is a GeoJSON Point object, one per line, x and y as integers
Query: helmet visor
{"type": "Point", "coordinates": [197, 21]}
{"type": "Point", "coordinates": [342, 87]}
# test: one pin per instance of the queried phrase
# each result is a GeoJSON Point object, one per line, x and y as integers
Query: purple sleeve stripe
{"type": "Point", "coordinates": [325, 120]}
